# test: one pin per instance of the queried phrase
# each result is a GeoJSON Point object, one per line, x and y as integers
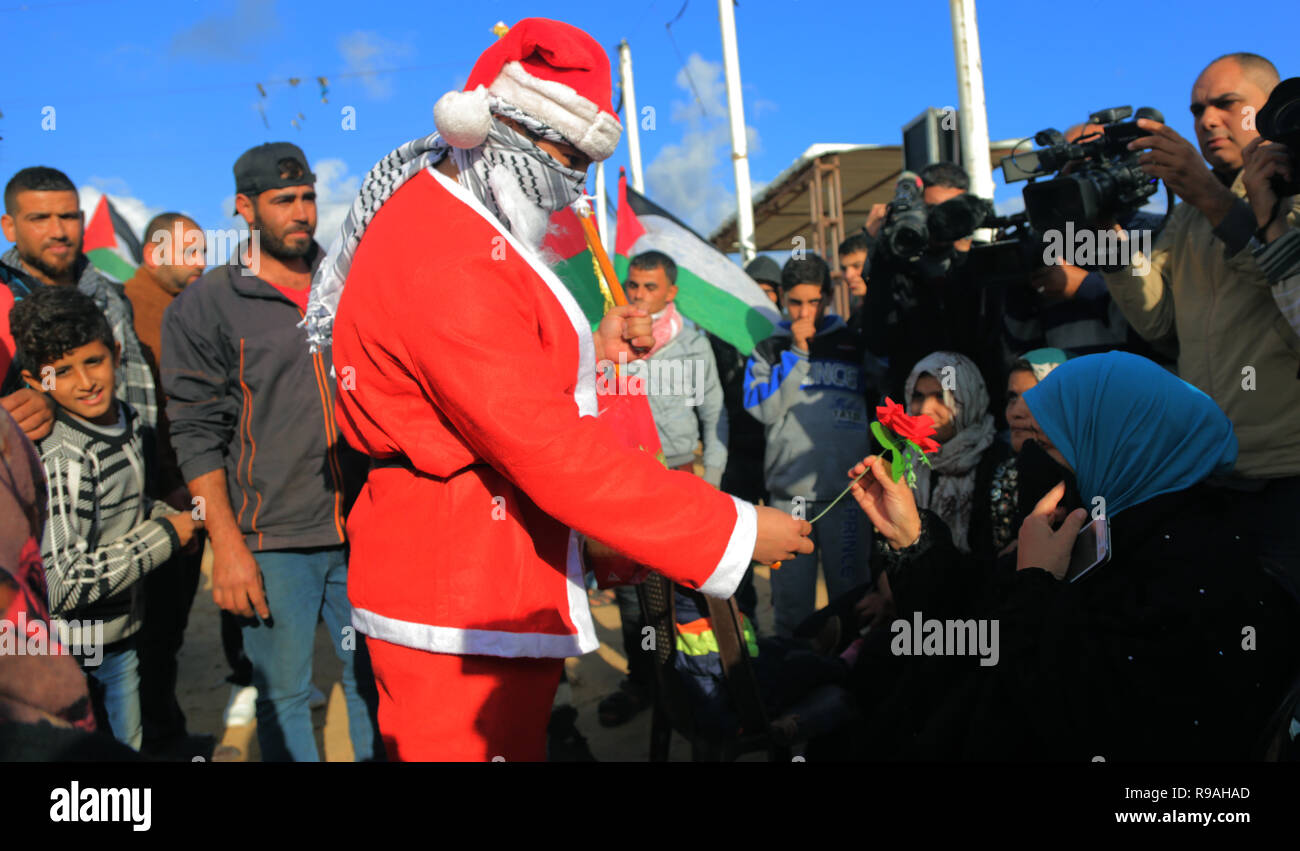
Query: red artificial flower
{"type": "Point", "coordinates": [916, 429]}
{"type": "Point", "coordinates": [927, 445]}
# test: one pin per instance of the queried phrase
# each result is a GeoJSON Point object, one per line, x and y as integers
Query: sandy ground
{"type": "Point", "coordinates": [203, 691]}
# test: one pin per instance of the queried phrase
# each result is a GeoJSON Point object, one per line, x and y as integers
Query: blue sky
{"type": "Point", "coordinates": [152, 103]}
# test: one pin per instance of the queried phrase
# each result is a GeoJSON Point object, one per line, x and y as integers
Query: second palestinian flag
{"type": "Point", "coordinates": [109, 243]}
{"type": "Point", "coordinates": [712, 291]}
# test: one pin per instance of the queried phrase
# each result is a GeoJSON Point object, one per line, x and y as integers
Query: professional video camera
{"type": "Point", "coordinates": [1279, 121]}
{"type": "Point", "coordinates": [905, 233]}
{"type": "Point", "coordinates": [910, 224]}
{"type": "Point", "coordinates": [1098, 177]}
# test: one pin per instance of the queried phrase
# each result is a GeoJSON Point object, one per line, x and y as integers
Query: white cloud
{"type": "Point", "coordinates": [335, 192]}
{"type": "Point", "coordinates": [365, 52]}
{"type": "Point", "coordinates": [691, 178]}
{"type": "Point", "coordinates": [681, 178]}
{"type": "Point", "coordinates": [708, 92]}
{"type": "Point", "coordinates": [228, 36]}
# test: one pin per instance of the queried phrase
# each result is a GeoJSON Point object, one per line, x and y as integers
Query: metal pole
{"type": "Point", "coordinates": [973, 119]}
{"type": "Point", "coordinates": [602, 214]}
{"type": "Point", "coordinates": [631, 117]}
{"type": "Point", "coordinates": [739, 143]}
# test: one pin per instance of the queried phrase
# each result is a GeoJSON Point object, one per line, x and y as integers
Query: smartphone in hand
{"type": "Point", "coordinates": [1091, 550]}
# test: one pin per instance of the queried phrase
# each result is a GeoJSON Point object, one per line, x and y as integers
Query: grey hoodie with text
{"type": "Point", "coordinates": [814, 406]}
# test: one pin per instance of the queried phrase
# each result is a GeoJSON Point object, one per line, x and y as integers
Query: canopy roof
{"type": "Point", "coordinates": [801, 200]}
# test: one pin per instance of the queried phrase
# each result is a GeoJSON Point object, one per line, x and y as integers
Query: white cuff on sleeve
{"type": "Point", "coordinates": [739, 553]}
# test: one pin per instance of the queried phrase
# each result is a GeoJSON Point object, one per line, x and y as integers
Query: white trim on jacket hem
{"type": "Point", "coordinates": [735, 561]}
{"type": "Point", "coordinates": [467, 642]}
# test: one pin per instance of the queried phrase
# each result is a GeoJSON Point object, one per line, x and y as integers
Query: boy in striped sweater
{"type": "Point", "coordinates": [102, 534]}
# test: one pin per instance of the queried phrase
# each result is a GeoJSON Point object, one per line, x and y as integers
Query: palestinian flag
{"type": "Point", "coordinates": [576, 266]}
{"type": "Point", "coordinates": [109, 242]}
{"type": "Point", "coordinates": [712, 291]}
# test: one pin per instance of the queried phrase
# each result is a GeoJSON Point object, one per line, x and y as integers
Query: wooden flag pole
{"type": "Point", "coordinates": [588, 219]}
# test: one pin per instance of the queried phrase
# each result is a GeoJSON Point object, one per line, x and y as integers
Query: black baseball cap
{"type": "Point", "coordinates": [274, 165]}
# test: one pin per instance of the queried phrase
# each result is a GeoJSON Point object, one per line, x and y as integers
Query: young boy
{"type": "Point", "coordinates": [808, 385]}
{"type": "Point", "coordinates": [102, 534]}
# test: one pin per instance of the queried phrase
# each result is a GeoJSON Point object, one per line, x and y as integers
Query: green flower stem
{"type": "Point", "coordinates": [838, 498]}
{"type": "Point", "coordinates": [900, 462]}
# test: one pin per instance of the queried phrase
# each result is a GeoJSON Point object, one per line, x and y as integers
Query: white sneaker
{"type": "Point", "coordinates": [242, 707]}
{"type": "Point", "coordinates": [317, 698]}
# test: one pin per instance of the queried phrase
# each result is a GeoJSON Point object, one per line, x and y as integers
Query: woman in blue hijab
{"type": "Point", "coordinates": [1129, 429]}
{"type": "Point", "coordinates": [1181, 647]}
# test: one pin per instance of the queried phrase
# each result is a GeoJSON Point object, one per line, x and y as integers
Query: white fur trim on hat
{"type": "Point", "coordinates": [463, 118]}
{"type": "Point", "coordinates": [592, 131]}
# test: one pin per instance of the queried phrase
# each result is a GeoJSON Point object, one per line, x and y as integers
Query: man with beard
{"type": "Point", "coordinates": [252, 422]}
{"type": "Point", "coordinates": [43, 219]}
{"type": "Point", "coordinates": [474, 390]}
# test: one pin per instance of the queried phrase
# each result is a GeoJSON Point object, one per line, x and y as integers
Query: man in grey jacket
{"type": "Point", "coordinates": [680, 373]}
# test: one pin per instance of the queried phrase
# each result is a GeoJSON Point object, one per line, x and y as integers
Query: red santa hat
{"type": "Point", "coordinates": [554, 72]}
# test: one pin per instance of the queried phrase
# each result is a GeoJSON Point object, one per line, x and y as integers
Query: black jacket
{"type": "Point", "coordinates": [1178, 649]}
{"type": "Point", "coordinates": [245, 395]}
{"type": "Point", "coordinates": [931, 305]}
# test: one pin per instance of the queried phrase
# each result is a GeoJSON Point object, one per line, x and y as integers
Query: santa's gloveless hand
{"type": "Point", "coordinates": [626, 331]}
{"type": "Point", "coordinates": [781, 536]}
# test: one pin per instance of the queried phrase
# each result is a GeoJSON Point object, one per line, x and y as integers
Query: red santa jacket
{"type": "Point", "coordinates": [466, 370]}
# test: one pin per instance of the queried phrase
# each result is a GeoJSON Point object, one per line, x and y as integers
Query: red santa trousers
{"type": "Point", "coordinates": [436, 707]}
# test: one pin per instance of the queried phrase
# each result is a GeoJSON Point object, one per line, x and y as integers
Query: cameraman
{"type": "Point", "coordinates": [913, 308]}
{"type": "Point", "coordinates": [1204, 291]}
{"type": "Point", "coordinates": [1068, 307]}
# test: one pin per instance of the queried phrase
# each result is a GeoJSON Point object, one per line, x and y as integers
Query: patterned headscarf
{"type": "Point", "coordinates": [952, 491]}
{"type": "Point", "coordinates": [541, 178]}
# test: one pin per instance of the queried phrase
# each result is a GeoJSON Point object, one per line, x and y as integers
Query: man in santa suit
{"type": "Point", "coordinates": [467, 371]}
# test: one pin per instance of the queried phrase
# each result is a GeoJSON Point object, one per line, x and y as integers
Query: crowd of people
{"type": "Point", "coordinates": [422, 467]}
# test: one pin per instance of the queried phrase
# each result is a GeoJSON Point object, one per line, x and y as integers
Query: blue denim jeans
{"type": "Point", "coordinates": [302, 586]}
{"type": "Point", "coordinates": [842, 541]}
{"type": "Point", "coordinates": [116, 683]}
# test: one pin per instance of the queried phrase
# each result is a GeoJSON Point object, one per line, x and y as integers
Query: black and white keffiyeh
{"type": "Point", "coordinates": [507, 158]}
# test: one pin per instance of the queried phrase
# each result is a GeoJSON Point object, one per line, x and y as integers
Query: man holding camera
{"type": "Point", "coordinates": [917, 306]}
{"type": "Point", "coordinates": [1205, 292]}
{"type": "Point", "coordinates": [1068, 306]}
